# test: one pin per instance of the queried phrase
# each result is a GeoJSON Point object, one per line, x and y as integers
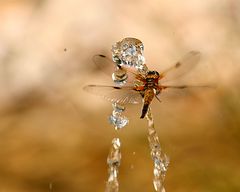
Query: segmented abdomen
{"type": "Point", "coordinates": [148, 97]}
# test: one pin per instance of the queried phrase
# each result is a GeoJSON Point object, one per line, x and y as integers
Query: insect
{"type": "Point", "coordinates": [144, 87]}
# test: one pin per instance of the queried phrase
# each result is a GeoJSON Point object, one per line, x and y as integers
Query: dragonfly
{"type": "Point", "coordinates": [143, 88]}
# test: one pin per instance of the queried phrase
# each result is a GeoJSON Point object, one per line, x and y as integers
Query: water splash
{"type": "Point", "coordinates": [116, 118]}
{"type": "Point", "coordinates": [129, 52]}
{"type": "Point", "coordinates": [113, 161]}
{"type": "Point", "coordinates": [160, 160]}
{"type": "Point", "coordinates": [119, 76]}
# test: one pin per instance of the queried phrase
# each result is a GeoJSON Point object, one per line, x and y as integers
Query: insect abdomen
{"type": "Point", "coordinates": [144, 110]}
{"type": "Point", "coordinates": [148, 97]}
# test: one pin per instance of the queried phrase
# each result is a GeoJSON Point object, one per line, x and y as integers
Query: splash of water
{"type": "Point", "coordinates": [113, 161]}
{"type": "Point", "coordinates": [129, 52]}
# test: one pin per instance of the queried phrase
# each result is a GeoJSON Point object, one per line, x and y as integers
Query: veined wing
{"type": "Point", "coordinates": [106, 65]}
{"type": "Point", "coordinates": [122, 95]}
{"type": "Point", "coordinates": [176, 91]}
{"type": "Point", "coordinates": [187, 86]}
{"type": "Point", "coordinates": [186, 64]}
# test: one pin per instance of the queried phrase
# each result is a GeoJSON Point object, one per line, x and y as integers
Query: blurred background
{"type": "Point", "coordinates": [56, 137]}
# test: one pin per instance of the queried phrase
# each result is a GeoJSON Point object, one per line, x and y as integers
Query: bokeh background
{"type": "Point", "coordinates": [56, 137]}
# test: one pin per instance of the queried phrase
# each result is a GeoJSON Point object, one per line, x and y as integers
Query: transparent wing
{"type": "Point", "coordinates": [187, 86]}
{"type": "Point", "coordinates": [186, 64]}
{"type": "Point", "coordinates": [123, 95]}
{"type": "Point", "coordinates": [106, 65]}
{"type": "Point", "coordinates": [178, 91]}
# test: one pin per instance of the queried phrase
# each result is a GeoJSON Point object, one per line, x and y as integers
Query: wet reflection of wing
{"type": "Point", "coordinates": [188, 62]}
{"type": "Point", "coordinates": [123, 95]}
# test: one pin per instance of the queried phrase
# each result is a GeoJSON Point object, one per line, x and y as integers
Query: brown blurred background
{"type": "Point", "coordinates": [56, 137]}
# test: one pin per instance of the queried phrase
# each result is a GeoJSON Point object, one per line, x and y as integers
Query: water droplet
{"type": "Point", "coordinates": [156, 172]}
{"type": "Point", "coordinates": [157, 184]}
{"type": "Point", "coordinates": [116, 143]}
{"type": "Point", "coordinates": [118, 121]}
{"type": "Point", "coordinates": [120, 76]}
{"type": "Point", "coordinates": [118, 108]}
{"type": "Point", "coordinates": [130, 52]}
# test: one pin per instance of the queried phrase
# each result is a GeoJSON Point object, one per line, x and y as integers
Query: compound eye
{"type": "Point", "coordinates": [151, 72]}
{"type": "Point", "coordinates": [155, 73]}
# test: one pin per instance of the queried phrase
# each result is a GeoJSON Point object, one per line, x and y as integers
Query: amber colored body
{"type": "Point", "coordinates": [149, 89]}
